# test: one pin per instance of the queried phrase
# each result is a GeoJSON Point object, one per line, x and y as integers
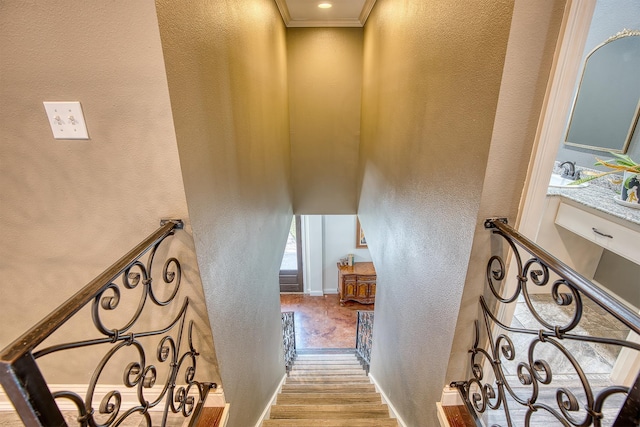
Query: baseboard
{"type": "Point", "coordinates": [272, 401]}
{"type": "Point", "coordinates": [129, 396]}
{"type": "Point", "coordinates": [442, 417]}
{"type": "Point", "coordinates": [215, 399]}
{"type": "Point", "coordinates": [225, 416]}
{"type": "Point", "coordinates": [316, 293]}
{"type": "Point", "coordinates": [385, 399]}
{"type": "Point", "coordinates": [451, 397]}
{"type": "Point", "coordinates": [330, 291]}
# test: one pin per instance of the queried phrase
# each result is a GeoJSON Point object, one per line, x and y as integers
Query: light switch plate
{"type": "Point", "coordinates": [66, 120]}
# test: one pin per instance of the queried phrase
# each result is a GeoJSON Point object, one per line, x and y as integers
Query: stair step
{"type": "Point", "coordinates": [327, 398]}
{"type": "Point", "coordinates": [329, 411]}
{"type": "Point", "coordinates": [326, 363]}
{"type": "Point", "coordinates": [344, 379]}
{"type": "Point", "coordinates": [326, 357]}
{"type": "Point", "coordinates": [326, 350]}
{"type": "Point", "coordinates": [329, 388]}
{"type": "Point", "coordinates": [352, 422]}
{"type": "Point", "coordinates": [329, 372]}
{"type": "Point", "coordinates": [325, 367]}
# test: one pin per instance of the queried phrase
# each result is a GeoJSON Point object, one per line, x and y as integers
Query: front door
{"type": "Point", "coordinates": [291, 267]}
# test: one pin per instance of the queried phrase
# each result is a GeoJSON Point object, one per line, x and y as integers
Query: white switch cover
{"type": "Point", "coordinates": [66, 120]}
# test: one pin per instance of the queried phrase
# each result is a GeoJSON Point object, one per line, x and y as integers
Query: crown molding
{"type": "Point", "coordinates": [355, 22]}
{"type": "Point", "coordinates": [284, 11]}
{"type": "Point", "coordinates": [337, 23]}
{"type": "Point", "coordinates": [366, 10]}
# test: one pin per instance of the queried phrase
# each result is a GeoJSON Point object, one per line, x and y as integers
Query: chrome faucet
{"type": "Point", "coordinates": [569, 170]}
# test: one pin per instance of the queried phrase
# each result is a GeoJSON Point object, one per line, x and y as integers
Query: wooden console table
{"type": "Point", "coordinates": [357, 283]}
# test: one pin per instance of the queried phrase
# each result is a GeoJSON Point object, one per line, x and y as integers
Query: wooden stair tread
{"type": "Point", "coordinates": [361, 410]}
{"type": "Point", "coordinates": [327, 357]}
{"type": "Point", "coordinates": [341, 365]}
{"type": "Point", "coordinates": [328, 388]}
{"type": "Point", "coordinates": [352, 422]}
{"type": "Point", "coordinates": [316, 372]}
{"type": "Point", "coordinates": [322, 380]}
{"type": "Point", "coordinates": [328, 398]}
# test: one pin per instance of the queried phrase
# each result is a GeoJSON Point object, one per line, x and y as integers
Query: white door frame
{"type": "Point", "coordinates": [312, 258]}
{"type": "Point", "coordinates": [553, 117]}
{"type": "Point", "coordinates": [567, 63]}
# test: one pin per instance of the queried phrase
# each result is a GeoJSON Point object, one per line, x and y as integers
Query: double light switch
{"type": "Point", "coordinates": [66, 120]}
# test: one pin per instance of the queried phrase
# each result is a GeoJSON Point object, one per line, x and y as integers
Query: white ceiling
{"type": "Point", "coordinates": [306, 13]}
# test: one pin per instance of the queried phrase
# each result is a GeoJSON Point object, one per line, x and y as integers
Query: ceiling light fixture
{"type": "Point", "coordinates": [325, 5]}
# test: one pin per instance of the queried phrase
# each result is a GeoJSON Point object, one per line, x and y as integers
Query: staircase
{"type": "Point", "coordinates": [328, 388]}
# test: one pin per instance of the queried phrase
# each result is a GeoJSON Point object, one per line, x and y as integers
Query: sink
{"type": "Point", "coordinates": [561, 182]}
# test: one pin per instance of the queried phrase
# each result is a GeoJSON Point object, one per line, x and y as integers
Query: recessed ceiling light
{"type": "Point", "coordinates": [325, 5]}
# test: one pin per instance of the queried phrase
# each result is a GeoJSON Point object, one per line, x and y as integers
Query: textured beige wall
{"type": "Point", "coordinates": [71, 208]}
{"type": "Point", "coordinates": [432, 73]}
{"type": "Point", "coordinates": [226, 68]}
{"type": "Point", "coordinates": [532, 41]}
{"type": "Point", "coordinates": [325, 81]}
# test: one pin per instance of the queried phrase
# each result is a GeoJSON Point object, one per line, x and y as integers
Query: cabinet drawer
{"type": "Point", "coordinates": [610, 235]}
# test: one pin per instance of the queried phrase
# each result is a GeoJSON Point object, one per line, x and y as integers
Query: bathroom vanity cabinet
{"type": "Point", "coordinates": [581, 224]}
{"type": "Point", "coordinates": [604, 232]}
{"type": "Point", "coordinates": [584, 228]}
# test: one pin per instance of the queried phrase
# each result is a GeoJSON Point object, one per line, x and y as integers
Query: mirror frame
{"type": "Point", "coordinates": [635, 116]}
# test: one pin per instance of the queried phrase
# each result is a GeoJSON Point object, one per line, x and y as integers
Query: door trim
{"type": "Point", "coordinates": [292, 280]}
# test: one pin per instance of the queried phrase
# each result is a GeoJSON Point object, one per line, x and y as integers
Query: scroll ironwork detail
{"type": "Point", "coordinates": [289, 339]}
{"type": "Point", "coordinates": [533, 379]}
{"type": "Point", "coordinates": [364, 337]}
{"type": "Point", "coordinates": [174, 391]}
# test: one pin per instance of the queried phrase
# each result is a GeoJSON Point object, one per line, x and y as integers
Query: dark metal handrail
{"type": "Point", "coordinates": [289, 339]}
{"type": "Point", "coordinates": [579, 282]}
{"type": "Point", "coordinates": [494, 352]}
{"type": "Point", "coordinates": [364, 338]}
{"type": "Point", "coordinates": [27, 389]}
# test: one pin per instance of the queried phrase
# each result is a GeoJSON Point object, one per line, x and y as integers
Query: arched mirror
{"type": "Point", "coordinates": [607, 104]}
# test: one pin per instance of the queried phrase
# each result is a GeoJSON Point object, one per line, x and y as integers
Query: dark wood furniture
{"type": "Point", "coordinates": [357, 283]}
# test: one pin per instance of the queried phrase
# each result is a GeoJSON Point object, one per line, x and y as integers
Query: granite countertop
{"type": "Point", "coordinates": [598, 195]}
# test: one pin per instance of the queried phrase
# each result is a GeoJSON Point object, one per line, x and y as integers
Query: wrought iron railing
{"type": "Point", "coordinates": [513, 367]}
{"type": "Point", "coordinates": [364, 337]}
{"type": "Point", "coordinates": [289, 339]}
{"type": "Point", "coordinates": [174, 353]}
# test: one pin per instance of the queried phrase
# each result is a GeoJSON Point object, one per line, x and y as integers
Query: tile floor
{"type": "Point", "coordinates": [321, 322]}
{"type": "Point", "coordinates": [596, 360]}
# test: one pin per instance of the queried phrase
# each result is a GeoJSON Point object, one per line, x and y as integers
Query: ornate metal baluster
{"type": "Point", "coordinates": [494, 347]}
{"type": "Point", "coordinates": [289, 339]}
{"type": "Point", "coordinates": [27, 388]}
{"type": "Point", "coordinates": [364, 337]}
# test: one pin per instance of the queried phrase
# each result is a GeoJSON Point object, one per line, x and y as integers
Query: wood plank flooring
{"type": "Point", "coordinates": [320, 320]}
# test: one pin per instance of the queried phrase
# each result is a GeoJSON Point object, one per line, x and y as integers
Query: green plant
{"type": "Point", "coordinates": [620, 163]}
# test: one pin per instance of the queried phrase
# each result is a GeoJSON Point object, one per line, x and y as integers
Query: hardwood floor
{"type": "Point", "coordinates": [321, 322]}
